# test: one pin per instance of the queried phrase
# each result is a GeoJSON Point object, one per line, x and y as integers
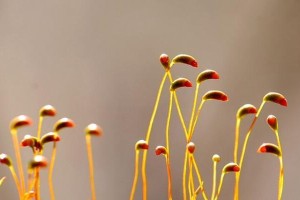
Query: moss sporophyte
{"type": "Point", "coordinates": [193, 184]}
{"type": "Point", "coordinates": [31, 189]}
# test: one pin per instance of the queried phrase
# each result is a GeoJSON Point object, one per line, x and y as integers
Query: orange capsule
{"type": "Point", "coordinates": [269, 148]}
{"type": "Point", "coordinates": [165, 61]}
{"type": "Point", "coordinates": [245, 110]}
{"type": "Point", "coordinates": [180, 82]}
{"type": "Point", "coordinates": [215, 95]}
{"type": "Point", "coordinates": [191, 147]}
{"type": "Point", "coordinates": [231, 167]}
{"type": "Point", "coordinates": [185, 59]}
{"type": "Point", "coordinates": [50, 137]}
{"type": "Point", "coordinates": [160, 150]}
{"type": "Point", "coordinates": [30, 141]}
{"type": "Point", "coordinates": [275, 98]}
{"type": "Point", "coordinates": [47, 110]}
{"type": "Point", "coordinates": [206, 75]}
{"type": "Point", "coordinates": [5, 159]}
{"type": "Point", "coordinates": [63, 123]}
{"type": "Point", "coordinates": [272, 121]}
{"type": "Point", "coordinates": [19, 121]}
{"type": "Point", "coordinates": [38, 161]}
{"type": "Point", "coordinates": [93, 129]}
{"type": "Point", "coordinates": [141, 145]}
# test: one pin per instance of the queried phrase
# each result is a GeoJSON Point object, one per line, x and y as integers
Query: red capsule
{"type": "Point", "coordinates": [160, 150]}
{"type": "Point", "coordinates": [50, 137]}
{"type": "Point", "coordinates": [47, 110]}
{"type": "Point", "coordinates": [231, 167]}
{"type": "Point", "coordinates": [63, 123]}
{"type": "Point", "coordinates": [207, 75]}
{"type": "Point", "coordinates": [215, 95]}
{"type": "Point", "coordinates": [19, 121]}
{"type": "Point", "coordinates": [93, 129]}
{"type": "Point", "coordinates": [185, 59]}
{"type": "Point", "coordinates": [180, 82]}
{"type": "Point", "coordinates": [5, 159]}
{"type": "Point", "coordinates": [141, 145]}
{"type": "Point", "coordinates": [272, 121]}
{"type": "Point", "coordinates": [269, 148]}
{"type": "Point", "coordinates": [165, 61]}
{"type": "Point", "coordinates": [191, 147]}
{"type": "Point", "coordinates": [38, 161]}
{"type": "Point", "coordinates": [275, 98]}
{"type": "Point", "coordinates": [245, 110]}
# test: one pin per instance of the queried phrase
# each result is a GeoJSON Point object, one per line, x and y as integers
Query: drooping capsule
{"type": "Point", "coordinates": [231, 167]}
{"type": "Point", "coordinates": [245, 110]}
{"type": "Point", "coordinates": [19, 121]}
{"type": "Point", "coordinates": [215, 95]}
{"type": "Point", "coordinates": [5, 159]}
{"type": "Point", "coordinates": [180, 82]}
{"type": "Point", "coordinates": [272, 121]}
{"type": "Point", "coordinates": [47, 110]}
{"type": "Point", "coordinates": [141, 145]}
{"type": "Point", "coordinates": [38, 161]}
{"type": "Point", "coordinates": [63, 123]}
{"type": "Point", "coordinates": [207, 75]}
{"type": "Point", "coordinates": [275, 98]}
{"type": "Point", "coordinates": [165, 61]}
{"type": "Point", "coordinates": [160, 150]}
{"type": "Point", "coordinates": [50, 137]}
{"type": "Point", "coordinates": [185, 59]}
{"type": "Point", "coordinates": [269, 148]}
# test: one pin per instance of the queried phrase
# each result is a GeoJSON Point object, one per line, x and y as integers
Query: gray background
{"type": "Point", "coordinates": [97, 61]}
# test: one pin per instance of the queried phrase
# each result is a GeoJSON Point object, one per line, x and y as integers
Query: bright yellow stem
{"type": "Point", "coordinates": [91, 165]}
{"type": "Point", "coordinates": [281, 179]}
{"type": "Point", "coordinates": [168, 147]}
{"type": "Point", "coordinates": [213, 193]}
{"type": "Point", "coordinates": [201, 187]}
{"type": "Point", "coordinates": [50, 175]}
{"type": "Point", "coordinates": [184, 175]}
{"type": "Point", "coordinates": [136, 174]}
{"type": "Point", "coordinates": [19, 159]}
{"type": "Point", "coordinates": [220, 186]}
{"type": "Point", "coordinates": [196, 119]}
{"type": "Point", "coordinates": [37, 184]}
{"type": "Point", "coordinates": [179, 109]}
{"type": "Point", "coordinates": [236, 191]}
{"type": "Point", "coordinates": [191, 180]}
{"type": "Point", "coordinates": [169, 177]}
{"type": "Point", "coordinates": [14, 175]}
{"type": "Point", "coordinates": [193, 111]}
{"type": "Point", "coordinates": [144, 161]}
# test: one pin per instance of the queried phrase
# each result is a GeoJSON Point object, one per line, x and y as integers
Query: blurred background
{"type": "Point", "coordinates": [98, 61]}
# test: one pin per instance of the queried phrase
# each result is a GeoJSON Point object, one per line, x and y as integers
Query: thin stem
{"type": "Point", "coordinates": [236, 192]}
{"type": "Point", "coordinates": [50, 175]}
{"type": "Point", "coordinates": [168, 147]}
{"type": "Point", "coordinates": [14, 175]}
{"type": "Point", "coordinates": [39, 130]}
{"type": "Point", "coordinates": [213, 194]}
{"type": "Point", "coordinates": [37, 184]}
{"type": "Point", "coordinates": [184, 175]}
{"type": "Point", "coordinates": [220, 186]}
{"type": "Point", "coordinates": [195, 121]}
{"type": "Point", "coordinates": [19, 159]}
{"type": "Point", "coordinates": [235, 156]}
{"type": "Point", "coordinates": [136, 174]}
{"type": "Point", "coordinates": [281, 179]}
{"type": "Point", "coordinates": [169, 177]}
{"type": "Point", "coordinates": [191, 180]}
{"type": "Point", "coordinates": [193, 111]}
{"type": "Point", "coordinates": [91, 165]}
{"type": "Point", "coordinates": [179, 109]}
{"type": "Point", "coordinates": [201, 187]}
{"type": "Point", "coordinates": [144, 161]}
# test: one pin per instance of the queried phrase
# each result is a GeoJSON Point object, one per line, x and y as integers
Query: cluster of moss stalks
{"type": "Point", "coordinates": [30, 188]}
{"type": "Point", "coordinates": [193, 185]}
